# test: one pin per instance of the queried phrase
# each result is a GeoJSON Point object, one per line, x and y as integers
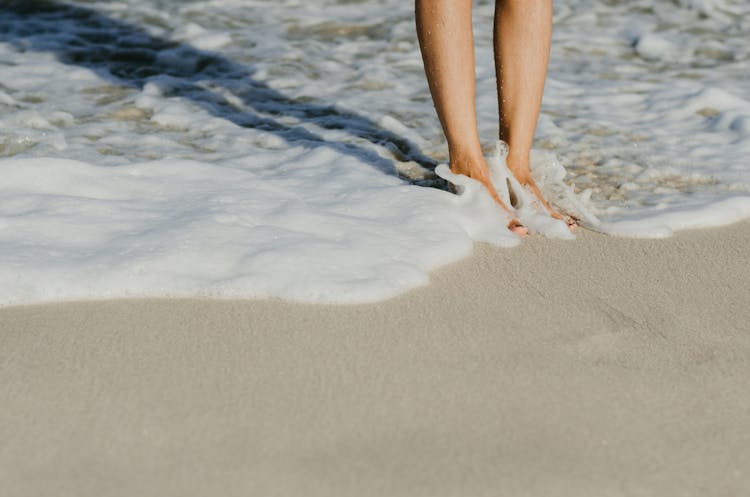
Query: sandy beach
{"type": "Point", "coordinates": [597, 367]}
{"type": "Point", "coordinates": [291, 150]}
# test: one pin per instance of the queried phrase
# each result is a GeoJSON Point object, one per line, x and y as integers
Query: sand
{"type": "Point", "coordinates": [597, 367]}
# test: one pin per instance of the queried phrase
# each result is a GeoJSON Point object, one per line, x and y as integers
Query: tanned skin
{"type": "Point", "coordinates": [522, 36]}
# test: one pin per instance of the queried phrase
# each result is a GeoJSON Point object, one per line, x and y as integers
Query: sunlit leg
{"type": "Point", "coordinates": [523, 33]}
{"type": "Point", "coordinates": [447, 43]}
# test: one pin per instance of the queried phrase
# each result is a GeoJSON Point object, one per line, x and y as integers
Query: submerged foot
{"type": "Point", "coordinates": [523, 176]}
{"type": "Point", "coordinates": [481, 173]}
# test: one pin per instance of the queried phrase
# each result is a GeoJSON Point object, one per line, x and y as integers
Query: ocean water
{"type": "Point", "coordinates": [247, 148]}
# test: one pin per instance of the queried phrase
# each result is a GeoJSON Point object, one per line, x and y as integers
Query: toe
{"type": "Point", "coordinates": [572, 222]}
{"type": "Point", "coordinates": [516, 227]}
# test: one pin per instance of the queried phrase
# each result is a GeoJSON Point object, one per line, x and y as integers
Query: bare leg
{"type": "Point", "coordinates": [523, 33]}
{"type": "Point", "coordinates": [447, 43]}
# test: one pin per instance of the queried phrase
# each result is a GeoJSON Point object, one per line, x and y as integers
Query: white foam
{"type": "Point", "coordinates": [666, 222]}
{"type": "Point", "coordinates": [655, 47]}
{"type": "Point", "coordinates": [73, 230]}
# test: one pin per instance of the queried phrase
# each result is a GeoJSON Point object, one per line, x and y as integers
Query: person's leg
{"type": "Point", "coordinates": [447, 43]}
{"type": "Point", "coordinates": [523, 33]}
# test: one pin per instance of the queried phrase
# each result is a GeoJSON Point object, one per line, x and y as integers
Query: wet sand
{"type": "Point", "coordinates": [597, 367]}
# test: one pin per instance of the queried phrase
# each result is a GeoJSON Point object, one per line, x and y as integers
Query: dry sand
{"type": "Point", "coordinates": [598, 367]}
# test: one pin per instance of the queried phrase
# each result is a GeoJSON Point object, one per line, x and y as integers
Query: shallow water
{"type": "Point", "coordinates": [266, 148]}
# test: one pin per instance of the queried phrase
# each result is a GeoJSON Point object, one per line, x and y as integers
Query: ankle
{"type": "Point", "coordinates": [518, 161]}
{"type": "Point", "coordinates": [463, 161]}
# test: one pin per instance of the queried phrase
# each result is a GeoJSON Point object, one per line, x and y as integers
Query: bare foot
{"type": "Point", "coordinates": [522, 174]}
{"type": "Point", "coordinates": [481, 173]}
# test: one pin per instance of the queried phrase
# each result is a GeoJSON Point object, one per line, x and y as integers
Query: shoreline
{"type": "Point", "coordinates": [599, 366]}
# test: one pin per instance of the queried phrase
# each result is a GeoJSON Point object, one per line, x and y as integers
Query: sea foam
{"type": "Point", "coordinates": [73, 230]}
